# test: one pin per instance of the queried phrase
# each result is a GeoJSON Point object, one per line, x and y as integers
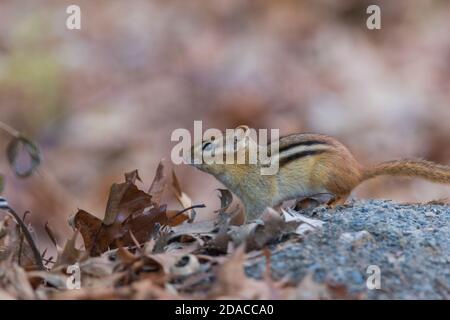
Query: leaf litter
{"type": "Point", "coordinates": [142, 250]}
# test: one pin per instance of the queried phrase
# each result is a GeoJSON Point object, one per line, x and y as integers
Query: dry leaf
{"type": "Point", "coordinates": [232, 283]}
{"type": "Point", "coordinates": [308, 289]}
{"type": "Point", "coordinates": [4, 295]}
{"type": "Point", "coordinates": [99, 237]}
{"type": "Point", "coordinates": [147, 289]}
{"type": "Point", "coordinates": [14, 280]}
{"type": "Point", "coordinates": [132, 176]}
{"type": "Point", "coordinates": [89, 227]}
{"type": "Point", "coordinates": [129, 210]}
{"type": "Point", "coordinates": [69, 255]}
{"type": "Point", "coordinates": [126, 256]}
{"type": "Point", "coordinates": [95, 293]}
{"type": "Point", "coordinates": [175, 219]}
{"type": "Point", "coordinates": [56, 280]}
{"type": "Point", "coordinates": [97, 266]}
{"type": "Point", "coordinates": [272, 228]}
{"type": "Point", "coordinates": [163, 261]}
{"type": "Point", "coordinates": [306, 224]}
{"type": "Point", "coordinates": [125, 199]}
{"type": "Point", "coordinates": [206, 226]}
{"type": "Point", "coordinates": [158, 185]}
{"type": "Point", "coordinates": [182, 197]}
{"type": "Point", "coordinates": [13, 245]}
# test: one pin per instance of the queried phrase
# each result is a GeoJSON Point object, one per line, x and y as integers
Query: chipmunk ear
{"type": "Point", "coordinates": [242, 131]}
{"type": "Point", "coordinates": [243, 127]}
{"type": "Point", "coordinates": [241, 135]}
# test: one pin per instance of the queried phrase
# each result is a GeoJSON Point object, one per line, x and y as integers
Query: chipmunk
{"type": "Point", "coordinates": [309, 164]}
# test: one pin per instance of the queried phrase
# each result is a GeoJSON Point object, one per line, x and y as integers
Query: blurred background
{"type": "Point", "coordinates": [105, 99]}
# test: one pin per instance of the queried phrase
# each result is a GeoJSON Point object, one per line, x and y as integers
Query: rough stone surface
{"type": "Point", "coordinates": [410, 243]}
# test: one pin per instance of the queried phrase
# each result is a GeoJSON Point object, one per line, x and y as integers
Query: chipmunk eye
{"type": "Point", "coordinates": [207, 146]}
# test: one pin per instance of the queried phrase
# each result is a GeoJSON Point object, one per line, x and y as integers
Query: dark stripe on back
{"type": "Point", "coordinates": [284, 161]}
{"type": "Point", "coordinates": [302, 143]}
{"type": "Point", "coordinates": [283, 146]}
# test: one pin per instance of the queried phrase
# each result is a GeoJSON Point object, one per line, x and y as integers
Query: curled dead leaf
{"type": "Point", "coordinates": [14, 280]}
{"type": "Point", "coordinates": [306, 224]}
{"type": "Point", "coordinates": [98, 266]}
{"type": "Point", "coordinates": [126, 256]}
{"type": "Point", "coordinates": [52, 279]}
{"type": "Point", "coordinates": [125, 200]}
{"type": "Point", "coordinates": [182, 197]}
{"type": "Point", "coordinates": [99, 237]}
{"type": "Point", "coordinates": [129, 210]}
{"type": "Point", "coordinates": [69, 254]}
{"type": "Point", "coordinates": [175, 218]}
{"type": "Point", "coordinates": [159, 184]}
{"type": "Point", "coordinates": [132, 176]}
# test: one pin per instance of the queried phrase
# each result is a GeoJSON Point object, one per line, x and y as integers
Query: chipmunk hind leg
{"type": "Point", "coordinates": [340, 189]}
{"type": "Point", "coordinates": [338, 200]}
{"type": "Point", "coordinates": [340, 178]}
{"type": "Point", "coordinates": [340, 186]}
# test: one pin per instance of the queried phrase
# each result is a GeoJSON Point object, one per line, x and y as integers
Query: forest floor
{"type": "Point", "coordinates": [142, 250]}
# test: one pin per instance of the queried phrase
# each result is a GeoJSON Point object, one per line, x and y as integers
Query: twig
{"type": "Point", "coordinates": [136, 243]}
{"type": "Point", "coordinates": [189, 208]}
{"type": "Point", "coordinates": [51, 235]}
{"type": "Point", "coordinates": [43, 254]}
{"type": "Point", "coordinates": [19, 259]}
{"type": "Point", "coordinates": [49, 260]}
{"type": "Point", "coordinates": [8, 129]}
{"type": "Point", "coordinates": [25, 215]}
{"type": "Point", "coordinates": [27, 234]}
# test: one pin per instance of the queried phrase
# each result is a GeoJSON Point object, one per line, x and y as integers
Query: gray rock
{"type": "Point", "coordinates": [410, 246]}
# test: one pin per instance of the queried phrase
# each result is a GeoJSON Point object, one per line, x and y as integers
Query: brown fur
{"type": "Point", "coordinates": [410, 168]}
{"type": "Point", "coordinates": [312, 164]}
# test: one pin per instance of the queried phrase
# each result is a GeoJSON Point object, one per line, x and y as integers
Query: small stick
{"type": "Point", "coordinates": [189, 208]}
{"type": "Point", "coordinates": [136, 243]}
{"type": "Point", "coordinates": [8, 129]}
{"type": "Point", "coordinates": [27, 234]}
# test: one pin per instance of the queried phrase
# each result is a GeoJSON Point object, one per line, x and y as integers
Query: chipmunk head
{"type": "Point", "coordinates": [217, 150]}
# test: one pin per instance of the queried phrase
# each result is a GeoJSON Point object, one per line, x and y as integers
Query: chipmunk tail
{"type": "Point", "coordinates": [410, 168]}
